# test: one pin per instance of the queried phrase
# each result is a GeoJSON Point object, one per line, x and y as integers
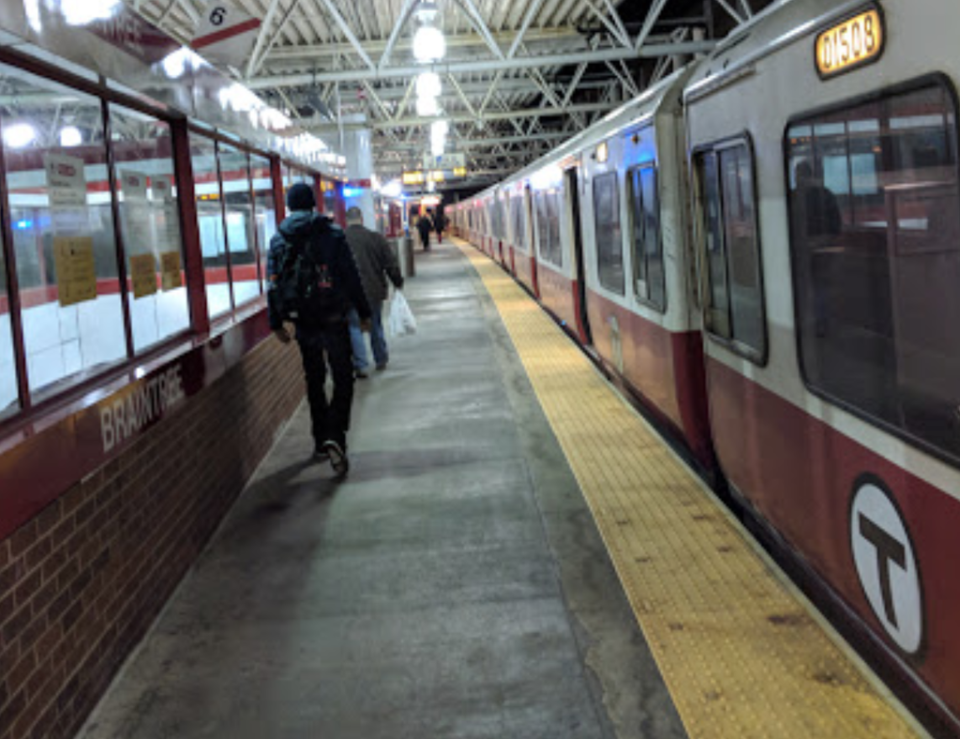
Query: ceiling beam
{"type": "Point", "coordinates": [616, 30]}
{"type": "Point", "coordinates": [467, 118]}
{"type": "Point", "coordinates": [467, 67]}
{"type": "Point", "coordinates": [348, 33]}
{"type": "Point", "coordinates": [652, 15]}
{"type": "Point", "coordinates": [483, 143]}
{"type": "Point", "coordinates": [527, 20]}
{"type": "Point", "coordinates": [566, 35]}
{"type": "Point", "coordinates": [395, 33]}
{"type": "Point", "coordinates": [256, 63]}
{"type": "Point", "coordinates": [518, 86]}
{"type": "Point", "coordinates": [476, 20]}
{"type": "Point", "coordinates": [261, 37]}
{"type": "Point", "coordinates": [733, 13]}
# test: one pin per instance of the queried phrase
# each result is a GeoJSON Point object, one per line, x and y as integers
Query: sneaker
{"type": "Point", "coordinates": [320, 454]}
{"type": "Point", "coordinates": [360, 374]}
{"type": "Point", "coordinates": [381, 367]}
{"type": "Point", "coordinates": [338, 458]}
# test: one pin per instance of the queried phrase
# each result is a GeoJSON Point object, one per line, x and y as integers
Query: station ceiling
{"type": "Point", "coordinates": [518, 77]}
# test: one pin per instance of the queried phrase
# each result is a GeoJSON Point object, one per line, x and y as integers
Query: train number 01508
{"type": "Point", "coordinates": [855, 41]}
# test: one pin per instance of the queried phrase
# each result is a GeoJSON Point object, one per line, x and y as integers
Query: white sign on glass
{"type": "Point", "coordinates": [66, 183]}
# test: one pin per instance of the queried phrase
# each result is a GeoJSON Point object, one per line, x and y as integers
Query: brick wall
{"type": "Point", "coordinates": [81, 583]}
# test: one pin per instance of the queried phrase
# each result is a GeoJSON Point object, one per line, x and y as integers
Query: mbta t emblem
{"type": "Point", "coordinates": [886, 565]}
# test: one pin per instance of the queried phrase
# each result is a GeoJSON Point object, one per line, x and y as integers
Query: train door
{"type": "Point", "coordinates": [571, 189]}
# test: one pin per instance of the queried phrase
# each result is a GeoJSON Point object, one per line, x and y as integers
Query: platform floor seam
{"type": "Point", "coordinates": [742, 657]}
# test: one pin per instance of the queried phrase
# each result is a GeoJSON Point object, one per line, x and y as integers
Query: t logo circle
{"type": "Point", "coordinates": [886, 565]}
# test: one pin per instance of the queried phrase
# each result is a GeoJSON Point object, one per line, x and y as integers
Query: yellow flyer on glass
{"type": "Point", "coordinates": [143, 272]}
{"type": "Point", "coordinates": [76, 272]}
{"type": "Point", "coordinates": [172, 277]}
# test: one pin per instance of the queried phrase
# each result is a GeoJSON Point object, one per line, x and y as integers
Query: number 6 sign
{"type": "Point", "coordinates": [226, 34]}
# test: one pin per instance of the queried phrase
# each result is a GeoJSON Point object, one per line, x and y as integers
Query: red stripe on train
{"type": "Point", "coordinates": [800, 474]}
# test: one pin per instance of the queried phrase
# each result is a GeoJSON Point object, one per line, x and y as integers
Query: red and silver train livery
{"type": "Point", "coordinates": [765, 248]}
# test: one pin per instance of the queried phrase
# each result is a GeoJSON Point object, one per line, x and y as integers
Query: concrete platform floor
{"type": "Point", "coordinates": [454, 585]}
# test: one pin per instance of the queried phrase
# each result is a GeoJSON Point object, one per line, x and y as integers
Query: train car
{"type": "Point", "coordinates": [826, 248]}
{"type": "Point", "coordinates": [639, 294]}
{"type": "Point", "coordinates": [828, 234]}
{"type": "Point", "coordinates": [607, 212]}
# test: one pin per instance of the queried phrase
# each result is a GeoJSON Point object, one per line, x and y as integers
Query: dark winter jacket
{"type": "Point", "coordinates": [425, 226]}
{"type": "Point", "coordinates": [375, 260]}
{"type": "Point", "coordinates": [328, 247]}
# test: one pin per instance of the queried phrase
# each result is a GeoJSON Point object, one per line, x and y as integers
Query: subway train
{"type": "Point", "coordinates": [764, 249]}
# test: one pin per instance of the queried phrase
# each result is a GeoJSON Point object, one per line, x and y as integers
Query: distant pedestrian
{"type": "Point", "coordinates": [376, 263]}
{"type": "Point", "coordinates": [314, 281]}
{"type": "Point", "coordinates": [425, 226]}
{"type": "Point", "coordinates": [439, 223]}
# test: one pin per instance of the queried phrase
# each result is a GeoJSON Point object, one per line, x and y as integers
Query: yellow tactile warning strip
{"type": "Point", "coordinates": [742, 656]}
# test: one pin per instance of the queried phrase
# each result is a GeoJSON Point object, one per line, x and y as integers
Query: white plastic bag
{"type": "Point", "coordinates": [400, 320]}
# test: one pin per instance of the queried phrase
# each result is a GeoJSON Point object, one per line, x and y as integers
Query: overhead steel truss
{"type": "Point", "coordinates": [500, 86]}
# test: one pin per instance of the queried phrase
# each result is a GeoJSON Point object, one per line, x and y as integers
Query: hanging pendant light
{"type": "Point", "coordinates": [428, 85]}
{"type": "Point", "coordinates": [429, 45]}
{"type": "Point", "coordinates": [427, 106]}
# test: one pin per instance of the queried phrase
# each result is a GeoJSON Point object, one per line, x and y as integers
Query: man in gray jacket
{"type": "Point", "coordinates": [376, 262]}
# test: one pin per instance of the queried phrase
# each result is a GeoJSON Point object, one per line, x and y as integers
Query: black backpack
{"type": "Point", "coordinates": [305, 282]}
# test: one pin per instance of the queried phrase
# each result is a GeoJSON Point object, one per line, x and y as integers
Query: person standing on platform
{"type": "Point", "coordinates": [439, 223]}
{"type": "Point", "coordinates": [376, 263]}
{"type": "Point", "coordinates": [314, 282]}
{"type": "Point", "coordinates": [425, 226]}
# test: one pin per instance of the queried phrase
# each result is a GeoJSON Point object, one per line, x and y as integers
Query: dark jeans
{"type": "Point", "coordinates": [320, 346]}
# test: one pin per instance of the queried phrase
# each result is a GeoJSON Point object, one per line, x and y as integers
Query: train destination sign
{"type": "Point", "coordinates": [849, 44]}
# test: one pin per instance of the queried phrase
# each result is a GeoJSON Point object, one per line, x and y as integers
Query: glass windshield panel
{"type": "Point", "coordinates": [9, 398]}
{"type": "Point", "coordinates": [241, 237]}
{"type": "Point", "coordinates": [150, 226]}
{"type": "Point", "coordinates": [63, 233]}
{"type": "Point", "coordinates": [265, 207]}
{"type": "Point", "coordinates": [213, 245]}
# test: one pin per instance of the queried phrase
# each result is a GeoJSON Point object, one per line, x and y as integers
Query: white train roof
{"type": "Point", "coordinates": [626, 116]}
{"type": "Point", "coordinates": [776, 26]}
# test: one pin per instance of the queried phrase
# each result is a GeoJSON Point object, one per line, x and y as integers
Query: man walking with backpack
{"type": "Point", "coordinates": [314, 282]}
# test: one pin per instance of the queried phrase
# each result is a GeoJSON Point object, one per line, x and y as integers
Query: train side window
{"type": "Point", "coordinates": [64, 242]}
{"type": "Point", "coordinates": [649, 276]}
{"type": "Point", "coordinates": [606, 219]}
{"type": "Point", "coordinates": [547, 204]}
{"type": "Point", "coordinates": [498, 220]}
{"type": "Point", "coordinates": [730, 249]}
{"type": "Point", "coordinates": [241, 237]}
{"type": "Point", "coordinates": [517, 235]}
{"type": "Point", "coordinates": [149, 226]}
{"type": "Point", "coordinates": [875, 244]}
{"type": "Point", "coordinates": [555, 207]}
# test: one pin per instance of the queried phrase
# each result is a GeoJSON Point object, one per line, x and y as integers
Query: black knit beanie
{"type": "Point", "coordinates": [300, 197]}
